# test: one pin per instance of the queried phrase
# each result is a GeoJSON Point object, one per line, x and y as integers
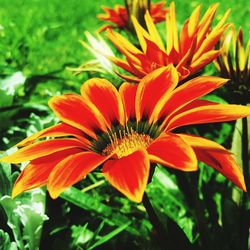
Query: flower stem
{"type": "Point", "coordinates": [188, 184]}
{"type": "Point", "coordinates": [160, 231]}
{"type": "Point", "coordinates": [244, 225]}
{"type": "Point", "coordinates": [167, 235]}
{"type": "Point", "coordinates": [244, 155]}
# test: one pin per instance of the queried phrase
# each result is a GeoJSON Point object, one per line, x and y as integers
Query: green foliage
{"type": "Point", "coordinates": [25, 219]}
{"type": "Point", "coordinates": [6, 244]}
{"type": "Point", "coordinates": [5, 179]}
{"type": "Point", "coordinates": [89, 203]}
{"type": "Point", "coordinates": [82, 236]}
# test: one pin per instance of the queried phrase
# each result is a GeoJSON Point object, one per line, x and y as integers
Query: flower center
{"type": "Point", "coordinates": [126, 143]}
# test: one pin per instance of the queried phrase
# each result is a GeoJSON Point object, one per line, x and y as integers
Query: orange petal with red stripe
{"type": "Point", "coordinates": [123, 45]}
{"type": "Point", "coordinates": [129, 174]}
{"type": "Point", "coordinates": [106, 98]}
{"type": "Point", "coordinates": [194, 104]}
{"type": "Point", "coordinates": [205, 23]}
{"type": "Point", "coordinates": [73, 110]}
{"type": "Point", "coordinates": [206, 114]}
{"type": "Point", "coordinates": [57, 130]}
{"type": "Point", "coordinates": [210, 41]}
{"type": "Point", "coordinates": [217, 157]}
{"type": "Point", "coordinates": [120, 63]}
{"type": "Point", "coordinates": [71, 170]}
{"type": "Point", "coordinates": [141, 33]}
{"type": "Point", "coordinates": [37, 172]}
{"type": "Point", "coordinates": [190, 91]}
{"type": "Point", "coordinates": [154, 35]}
{"type": "Point", "coordinates": [129, 78]}
{"type": "Point", "coordinates": [40, 149]}
{"type": "Point", "coordinates": [172, 151]}
{"type": "Point", "coordinates": [128, 93]}
{"type": "Point", "coordinates": [153, 91]}
{"type": "Point", "coordinates": [191, 105]}
{"type": "Point", "coordinates": [203, 60]}
{"type": "Point", "coordinates": [172, 31]}
{"type": "Point", "coordinates": [154, 55]}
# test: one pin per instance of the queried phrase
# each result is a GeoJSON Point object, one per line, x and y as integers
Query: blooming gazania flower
{"type": "Point", "coordinates": [120, 18]}
{"type": "Point", "coordinates": [125, 131]}
{"type": "Point", "coordinates": [189, 54]}
{"type": "Point", "coordinates": [234, 63]}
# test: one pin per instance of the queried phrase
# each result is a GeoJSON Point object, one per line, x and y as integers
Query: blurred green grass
{"type": "Point", "coordinates": [42, 36]}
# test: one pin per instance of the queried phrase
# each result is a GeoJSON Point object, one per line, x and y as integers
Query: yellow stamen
{"type": "Point", "coordinates": [126, 143]}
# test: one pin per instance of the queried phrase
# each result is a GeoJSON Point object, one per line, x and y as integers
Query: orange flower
{"type": "Point", "coordinates": [190, 53]}
{"type": "Point", "coordinates": [120, 18]}
{"type": "Point", "coordinates": [234, 64]}
{"type": "Point", "coordinates": [125, 131]}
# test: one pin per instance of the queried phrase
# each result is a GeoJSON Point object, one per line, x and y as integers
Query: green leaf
{"type": "Point", "coordinates": [5, 243]}
{"type": "Point", "coordinates": [81, 234]}
{"type": "Point", "coordinates": [169, 202]}
{"type": "Point", "coordinates": [9, 205]}
{"type": "Point", "coordinates": [87, 202]}
{"type": "Point", "coordinates": [109, 236]}
{"type": "Point", "coordinates": [5, 179]}
{"type": "Point", "coordinates": [26, 218]}
{"type": "Point", "coordinates": [32, 222]}
{"type": "Point", "coordinates": [96, 234]}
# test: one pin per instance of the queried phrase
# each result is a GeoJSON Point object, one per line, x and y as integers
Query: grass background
{"type": "Point", "coordinates": [39, 37]}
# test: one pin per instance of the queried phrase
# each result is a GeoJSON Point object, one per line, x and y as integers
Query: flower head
{"type": "Point", "coordinates": [119, 16]}
{"type": "Point", "coordinates": [234, 63]}
{"type": "Point", "coordinates": [189, 53]}
{"type": "Point", "coordinates": [124, 131]}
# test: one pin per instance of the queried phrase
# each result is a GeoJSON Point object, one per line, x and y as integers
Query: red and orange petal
{"type": "Point", "coordinates": [36, 173]}
{"type": "Point", "coordinates": [158, 12]}
{"type": "Point", "coordinates": [105, 97]}
{"type": "Point", "coordinates": [190, 91]}
{"type": "Point", "coordinates": [68, 107]}
{"type": "Point", "coordinates": [122, 64]}
{"type": "Point", "coordinates": [124, 46]}
{"type": "Point", "coordinates": [192, 105]}
{"type": "Point", "coordinates": [40, 149]}
{"type": "Point", "coordinates": [188, 31]}
{"type": "Point", "coordinates": [71, 170]}
{"type": "Point", "coordinates": [58, 130]}
{"type": "Point", "coordinates": [207, 114]}
{"type": "Point", "coordinates": [217, 157]}
{"type": "Point", "coordinates": [129, 174]}
{"type": "Point", "coordinates": [119, 16]}
{"type": "Point", "coordinates": [153, 57]}
{"type": "Point", "coordinates": [128, 94]}
{"type": "Point", "coordinates": [205, 23]}
{"type": "Point", "coordinates": [154, 35]}
{"type": "Point", "coordinates": [172, 151]}
{"type": "Point", "coordinates": [204, 60]}
{"type": "Point", "coordinates": [172, 32]}
{"type": "Point", "coordinates": [153, 91]}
